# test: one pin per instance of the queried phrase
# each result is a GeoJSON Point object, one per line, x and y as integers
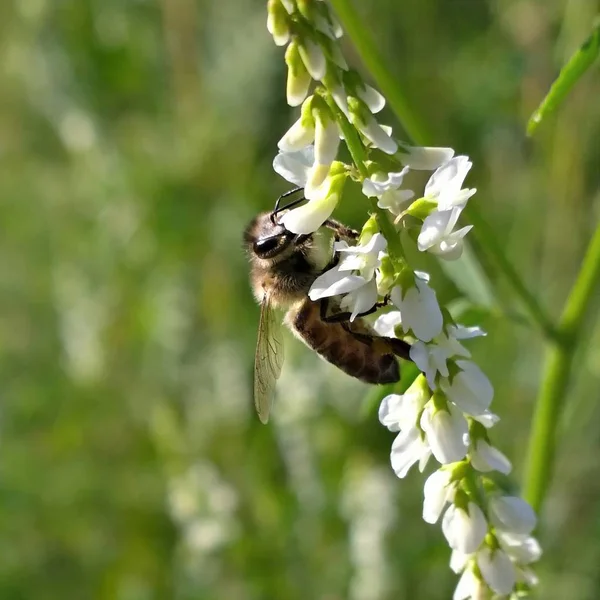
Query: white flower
{"type": "Point", "coordinates": [437, 235]}
{"type": "Point", "coordinates": [365, 122]}
{"type": "Point", "coordinates": [458, 561]}
{"type": "Point", "coordinates": [360, 300]}
{"type": "Point", "coordinates": [487, 419]}
{"type": "Point", "coordinates": [385, 325]}
{"type": "Point", "coordinates": [446, 432]}
{"type": "Point", "coordinates": [400, 411]}
{"type": "Point", "coordinates": [295, 166]}
{"type": "Point", "coordinates": [438, 491]}
{"type": "Point", "coordinates": [524, 549]}
{"type": "Point", "coordinates": [464, 530]}
{"type": "Point", "coordinates": [423, 158]}
{"type": "Point", "coordinates": [310, 216]}
{"type": "Point", "coordinates": [445, 184]}
{"type": "Point", "coordinates": [408, 448]}
{"type": "Point", "coordinates": [299, 135]}
{"type": "Point", "coordinates": [497, 570]}
{"type": "Point", "coordinates": [431, 357]}
{"type": "Point", "coordinates": [512, 514]}
{"type": "Point", "coordinates": [485, 458]}
{"type": "Point", "coordinates": [470, 587]}
{"type": "Point", "coordinates": [364, 258]}
{"type": "Point", "coordinates": [386, 187]}
{"type": "Point", "coordinates": [371, 97]}
{"type": "Point", "coordinates": [469, 389]}
{"type": "Point", "coordinates": [420, 310]}
{"type": "Point", "coordinates": [327, 141]}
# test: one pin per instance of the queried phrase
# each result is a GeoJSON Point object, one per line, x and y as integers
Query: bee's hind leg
{"type": "Point", "coordinates": [398, 347]}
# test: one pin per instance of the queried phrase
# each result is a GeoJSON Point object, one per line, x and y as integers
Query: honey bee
{"type": "Point", "coordinates": [283, 267]}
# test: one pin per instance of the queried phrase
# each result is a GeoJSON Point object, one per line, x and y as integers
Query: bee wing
{"type": "Point", "coordinates": [268, 359]}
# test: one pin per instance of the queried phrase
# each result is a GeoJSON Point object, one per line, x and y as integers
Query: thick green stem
{"type": "Point", "coordinates": [555, 380]}
{"type": "Point", "coordinates": [418, 132]}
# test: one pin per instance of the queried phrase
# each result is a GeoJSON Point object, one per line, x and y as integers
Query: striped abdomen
{"type": "Point", "coordinates": [363, 355]}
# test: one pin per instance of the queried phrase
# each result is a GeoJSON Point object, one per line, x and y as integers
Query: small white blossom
{"type": "Point", "coordinates": [464, 530]}
{"type": "Point", "coordinates": [342, 279]}
{"type": "Point", "coordinates": [438, 491]}
{"type": "Point", "coordinates": [386, 187]}
{"type": "Point", "coordinates": [295, 166]}
{"type": "Point", "coordinates": [487, 418]}
{"type": "Point", "coordinates": [371, 97]}
{"type": "Point", "coordinates": [523, 549]}
{"type": "Point", "coordinates": [512, 514]}
{"type": "Point", "coordinates": [422, 158]}
{"type": "Point", "coordinates": [400, 411]}
{"type": "Point", "coordinates": [298, 136]}
{"type": "Point", "coordinates": [438, 236]}
{"type": "Point", "coordinates": [446, 432]}
{"type": "Point", "coordinates": [445, 185]}
{"type": "Point", "coordinates": [431, 358]}
{"type": "Point", "coordinates": [485, 458]}
{"type": "Point", "coordinates": [366, 123]}
{"type": "Point", "coordinates": [385, 325]}
{"type": "Point", "coordinates": [469, 389]}
{"type": "Point", "coordinates": [497, 570]}
{"type": "Point", "coordinates": [327, 141]}
{"type": "Point", "coordinates": [409, 448]}
{"type": "Point", "coordinates": [313, 58]}
{"type": "Point", "coordinates": [470, 587]}
{"type": "Point", "coordinates": [419, 308]}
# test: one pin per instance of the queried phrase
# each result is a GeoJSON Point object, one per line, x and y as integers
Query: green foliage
{"type": "Point", "coordinates": [569, 75]}
{"type": "Point", "coordinates": [136, 141]}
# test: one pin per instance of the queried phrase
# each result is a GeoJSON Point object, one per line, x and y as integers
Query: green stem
{"type": "Point", "coordinates": [419, 133]}
{"type": "Point", "coordinates": [556, 376]}
{"type": "Point", "coordinates": [357, 151]}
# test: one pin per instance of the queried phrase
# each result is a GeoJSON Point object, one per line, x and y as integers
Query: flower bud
{"type": "Point", "coordinates": [298, 79]}
{"type": "Point", "coordinates": [313, 58]}
{"type": "Point", "coordinates": [365, 122]}
{"type": "Point", "coordinates": [277, 22]}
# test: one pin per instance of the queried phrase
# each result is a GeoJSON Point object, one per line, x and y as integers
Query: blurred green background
{"type": "Point", "coordinates": [136, 140]}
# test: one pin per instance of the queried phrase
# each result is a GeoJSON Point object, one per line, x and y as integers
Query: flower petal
{"type": "Point", "coordinates": [512, 514]}
{"type": "Point", "coordinates": [497, 570]}
{"type": "Point", "coordinates": [464, 531]}
{"type": "Point", "coordinates": [294, 166]}
{"type": "Point", "coordinates": [486, 458]}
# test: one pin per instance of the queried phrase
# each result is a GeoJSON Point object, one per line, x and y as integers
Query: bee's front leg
{"type": "Point", "coordinates": [342, 317]}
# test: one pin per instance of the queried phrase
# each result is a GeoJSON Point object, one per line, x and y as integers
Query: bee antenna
{"type": "Point", "coordinates": [279, 208]}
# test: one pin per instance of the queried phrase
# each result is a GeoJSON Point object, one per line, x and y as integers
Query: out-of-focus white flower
{"type": "Point", "coordinates": [438, 236]}
{"type": "Point", "coordinates": [470, 587]}
{"type": "Point", "coordinates": [419, 308]}
{"type": "Point", "coordinates": [438, 491]}
{"type": "Point", "coordinates": [469, 389]}
{"type": "Point", "coordinates": [464, 530]}
{"type": "Point", "coordinates": [277, 23]}
{"type": "Point", "coordinates": [431, 358]}
{"type": "Point", "coordinates": [485, 458]}
{"type": "Point", "coordinates": [487, 419]}
{"type": "Point", "coordinates": [523, 549]}
{"type": "Point", "coordinates": [512, 514]}
{"type": "Point", "coordinates": [445, 185]}
{"type": "Point", "coordinates": [422, 158]}
{"type": "Point", "coordinates": [386, 187]}
{"type": "Point", "coordinates": [446, 431]}
{"type": "Point", "coordinates": [497, 570]}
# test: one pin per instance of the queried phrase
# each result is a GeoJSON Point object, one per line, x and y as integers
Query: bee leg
{"type": "Point", "coordinates": [342, 317]}
{"type": "Point", "coordinates": [341, 232]}
{"type": "Point", "coordinates": [398, 347]}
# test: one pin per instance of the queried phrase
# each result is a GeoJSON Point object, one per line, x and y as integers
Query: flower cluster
{"type": "Point", "coordinates": [445, 412]}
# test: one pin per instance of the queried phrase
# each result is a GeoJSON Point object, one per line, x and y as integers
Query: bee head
{"type": "Point", "coordinates": [265, 238]}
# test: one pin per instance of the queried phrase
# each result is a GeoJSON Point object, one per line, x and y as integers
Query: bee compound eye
{"type": "Point", "coordinates": [266, 245]}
